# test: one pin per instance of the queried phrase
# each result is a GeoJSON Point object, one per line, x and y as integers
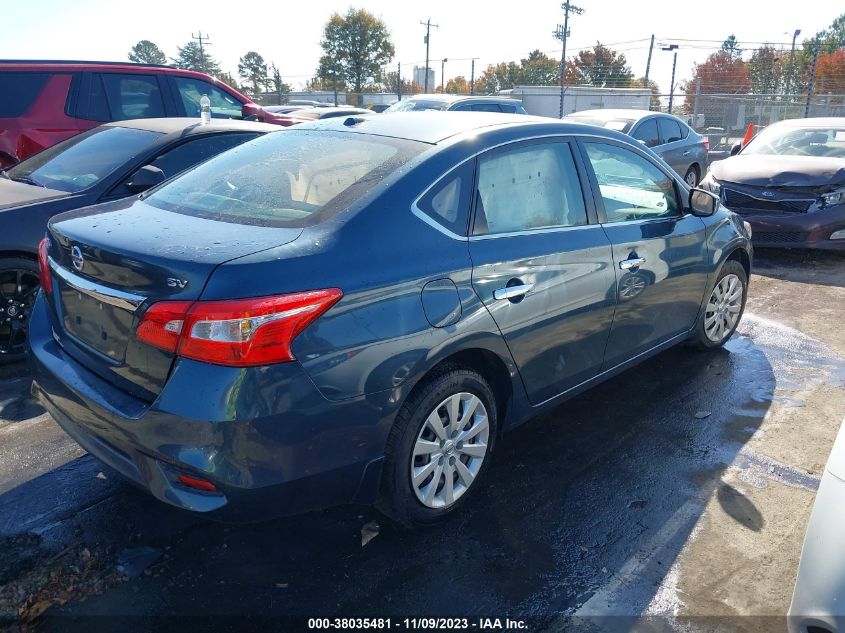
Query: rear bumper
{"type": "Point", "coordinates": [801, 230]}
{"type": "Point", "coordinates": [265, 437]}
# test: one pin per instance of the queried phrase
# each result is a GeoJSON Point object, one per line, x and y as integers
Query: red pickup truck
{"type": "Point", "coordinates": [44, 102]}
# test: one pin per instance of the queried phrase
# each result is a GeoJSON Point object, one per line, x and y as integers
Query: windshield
{"type": "Point", "coordinates": [292, 179]}
{"type": "Point", "coordinates": [788, 140]}
{"type": "Point", "coordinates": [407, 105]}
{"type": "Point", "coordinates": [83, 160]}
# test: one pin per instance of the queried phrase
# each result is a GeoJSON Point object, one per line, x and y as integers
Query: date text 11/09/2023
{"type": "Point", "coordinates": [429, 624]}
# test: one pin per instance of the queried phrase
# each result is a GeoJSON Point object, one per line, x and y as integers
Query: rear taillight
{"type": "Point", "coordinates": [706, 145]}
{"type": "Point", "coordinates": [240, 332]}
{"type": "Point", "coordinates": [44, 275]}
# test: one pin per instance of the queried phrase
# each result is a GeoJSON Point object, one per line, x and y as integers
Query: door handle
{"type": "Point", "coordinates": [635, 262]}
{"type": "Point", "coordinates": [512, 292]}
{"type": "Point", "coordinates": [687, 153]}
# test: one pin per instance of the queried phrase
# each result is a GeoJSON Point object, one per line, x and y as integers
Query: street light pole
{"type": "Point", "coordinates": [443, 73]}
{"type": "Point", "coordinates": [672, 47]}
{"type": "Point", "coordinates": [792, 61]}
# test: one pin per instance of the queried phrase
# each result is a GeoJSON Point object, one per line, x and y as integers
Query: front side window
{"type": "Point", "coordinates": [632, 188]}
{"type": "Point", "coordinates": [671, 130]}
{"type": "Point", "coordinates": [527, 188]}
{"type": "Point", "coordinates": [223, 105]}
{"type": "Point", "coordinates": [647, 133]}
{"type": "Point", "coordinates": [83, 160]}
{"type": "Point", "coordinates": [293, 178]}
{"type": "Point", "coordinates": [131, 96]}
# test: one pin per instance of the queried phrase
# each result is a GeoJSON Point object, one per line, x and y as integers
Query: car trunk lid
{"type": "Point", "coordinates": [110, 263]}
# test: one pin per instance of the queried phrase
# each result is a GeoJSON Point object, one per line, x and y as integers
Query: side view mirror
{"type": "Point", "coordinates": [252, 112]}
{"type": "Point", "coordinates": [702, 203]}
{"type": "Point", "coordinates": [735, 149]}
{"type": "Point", "coordinates": [145, 178]}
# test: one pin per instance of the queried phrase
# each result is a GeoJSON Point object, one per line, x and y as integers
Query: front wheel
{"type": "Point", "coordinates": [725, 306]}
{"type": "Point", "coordinates": [438, 449]}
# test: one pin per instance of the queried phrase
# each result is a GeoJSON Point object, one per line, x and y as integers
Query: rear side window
{"type": "Point", "coordinates": [18, 91]}
{"type": "Point", "coordinates": [293, 178]}
{"type": "Point", "coordinates": [647, 133]}
{"type": "Point", "coordinates": [223, 105]}
{"type": "Point", "coordinates": [526, 188]}
{"type": "Point", "coordinates": [448, 201]}
{"type": "Point", "coordinates": [486, 107]}
{"type": "Point", "coordinates": [670, 130]}
{"type": "Point", "coordinates": [117, 97]}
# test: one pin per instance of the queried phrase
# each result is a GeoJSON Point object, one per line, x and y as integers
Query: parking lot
{"type": "Point", "coordinates": [680, 488]}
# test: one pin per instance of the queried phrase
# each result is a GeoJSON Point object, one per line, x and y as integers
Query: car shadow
{"type": "Point", "coordinates": [825, 268]}
{"type": "Point", "coordinates": [17, 404]}
{"type": "Point", "coordinates": [620, 472]}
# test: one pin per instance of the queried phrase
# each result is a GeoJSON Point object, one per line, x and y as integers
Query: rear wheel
{"type": "Point", "coordinates": [691, 177]}
{"type": "Point", "coordinates": [438, 449]}
{"type": "Point", "coordinates": [19, 285]}
{"type": "Point", "coordinates": [724, 308]}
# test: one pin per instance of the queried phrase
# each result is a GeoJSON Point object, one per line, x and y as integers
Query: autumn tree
{"type": "Point", "coordinates": [719, 74]}
{"type": "Point", "coordinates": [355, 47]}
{"type": "Point", "coordinates": [146, 52]}
{"type": "Point", "coordinates": [253, 69]}
{"type": "Point", "coordinates": [602, 67]}
{"type": "Point", "coordinates": [193, 57]}
{"type": "Point", "coordinates": [767, 70]}
{"type": "Point", "coordinates": [830, 73]}
{"type": "Point", "coordinates": [538, 69]}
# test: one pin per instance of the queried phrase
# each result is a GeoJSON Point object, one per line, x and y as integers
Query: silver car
{"type": "Point", "coordinates": [673, 140]}
{"type": "Point", "coordinates": [458, 103]}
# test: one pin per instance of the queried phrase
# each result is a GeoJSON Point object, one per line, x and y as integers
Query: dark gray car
{"type": "Point", "coordinates": [673, 140]}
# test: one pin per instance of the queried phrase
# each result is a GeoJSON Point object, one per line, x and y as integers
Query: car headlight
{"type": "Point", "coordinates": [710, 184]}
{"type": "Point", "coordinates": [832, 199]}
{"type": "Point", "coordinates": [747, 227]}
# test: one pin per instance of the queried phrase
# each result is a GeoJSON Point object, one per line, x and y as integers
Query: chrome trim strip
{"type": "Point", "coordinates": [103, 294]}
{"type": "Point", "coordinates": [554, 229]}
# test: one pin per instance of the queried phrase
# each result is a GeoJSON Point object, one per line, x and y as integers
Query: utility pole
{"type": "Point", "coordinates": [199, 38]}
{"type": "Point", "coordinates": [399, 80]}
{"type": "Point", "coordinates": [562, 33]}
{"type": "Point", "coordinates": [472, 77]}
{"type": "Point", "coordinates": [334, 75]}
{"type": "Point", "coordinates": [672, 47]}
{"type": "Point", "coordinates": [427, 26]}
{"type": "Point", "coordinates": [792, 61]}
{"type": "Point", "coordinates": [443, 74]}
{"type": "Point", "coordinates": [812, 81]}
{"type": "Point", "coordinates": [648, 63]}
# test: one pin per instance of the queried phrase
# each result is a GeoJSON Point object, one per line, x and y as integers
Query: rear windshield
{"type": "Point", "coordinates": [83, 160]}
{"type": "Point", "coordinates": [294, 178]}
{"type": "Point", "coordinates": [18, 91]}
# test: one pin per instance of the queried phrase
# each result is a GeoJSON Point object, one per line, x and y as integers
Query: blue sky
{"type": "Point", "coordinates": [288, 33]}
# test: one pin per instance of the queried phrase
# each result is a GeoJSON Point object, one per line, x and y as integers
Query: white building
{"type": "Point", "coordinates": [545, 100]}
{"type": "Point", "coordinates": [419, 77]}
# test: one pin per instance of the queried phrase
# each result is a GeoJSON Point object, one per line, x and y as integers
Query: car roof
{"type": "Point", "coordinates": [607, 114]}
{"type": "Point", "coordinates": [192, 125]}
{"type": "Point", "coordinates": [449, 98]}
{"type": "Point", "coordinates": [829, 121]}
{"type": "Point", "coordinates": [427, 126]}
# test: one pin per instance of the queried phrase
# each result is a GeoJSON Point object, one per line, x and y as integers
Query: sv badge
{"type": "Point", "coordinates": [173, 282]}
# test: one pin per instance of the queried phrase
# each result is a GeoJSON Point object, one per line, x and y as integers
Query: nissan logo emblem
{"type": "Point", "coordinates": [76, 258]}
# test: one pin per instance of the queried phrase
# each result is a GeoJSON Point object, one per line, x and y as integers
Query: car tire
{"type": "Point", "coordinates": [724, 308]}
{"type": "Point", "coordinates": [19, 285]}
{"type": "Point", "coordinates": [445, 455]}
{"type": "Point", "coordinates": [692, 176]}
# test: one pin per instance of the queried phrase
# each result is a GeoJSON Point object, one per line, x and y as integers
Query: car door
{"type": "Point", "coordinates": [672, 147]}
{"type": "Point", "coordinates": [540, 265]}
{"type": "Point", "coordinates": [659, 250]}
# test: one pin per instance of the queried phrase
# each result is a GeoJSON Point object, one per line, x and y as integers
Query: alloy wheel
{"type": "Point", "coordinates": [449, 450]}
{"type": "Point", "coordinates": [18, 288]}
{"type": "Point", "coordinates": [691, 178]}
{"type": "Point", "coordinates": [723, 308]}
